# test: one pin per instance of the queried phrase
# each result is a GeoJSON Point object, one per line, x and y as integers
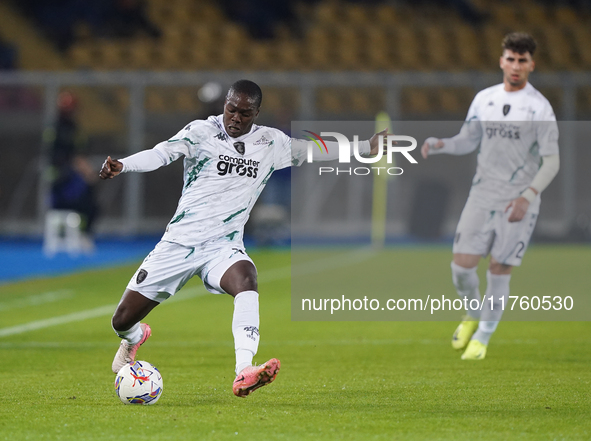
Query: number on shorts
{"type": "Point", "coordinates": [521, 246]}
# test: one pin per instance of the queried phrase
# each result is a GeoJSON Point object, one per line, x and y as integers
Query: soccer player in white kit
{"type": "Point", "coordinates": [227, 163]}
{"type": "Point", "coordinates": [516, 129]}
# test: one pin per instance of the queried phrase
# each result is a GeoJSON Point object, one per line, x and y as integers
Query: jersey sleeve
{"type": "Point", "coordinates": [144, 161]}
{"type": "Point", "coordinates": [300, 148]}
{"type": "Point", "coordinates": [547, 131]}
{"type": "Point", "coordinates": [184, 143]}
{"type": "Point", "coordinates": [470, 134]}
{"type": "Point", "coordinates": [283, 151]}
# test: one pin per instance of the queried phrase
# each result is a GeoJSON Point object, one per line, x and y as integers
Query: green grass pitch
{"type": "Point", "coordinates": [339, 380]}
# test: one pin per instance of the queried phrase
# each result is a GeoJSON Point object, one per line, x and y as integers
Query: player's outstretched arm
{"type": "Point", "coordinates": [111, 168]}
{"type": "Point", "coordinates": [144, 161]}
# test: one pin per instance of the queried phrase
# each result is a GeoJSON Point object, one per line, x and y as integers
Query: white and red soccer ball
{"type": "Point", "coordinates": [138, 382]}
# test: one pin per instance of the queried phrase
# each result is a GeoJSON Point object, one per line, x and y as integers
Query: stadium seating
{"type": "Point", "coordinates": [335, 35]}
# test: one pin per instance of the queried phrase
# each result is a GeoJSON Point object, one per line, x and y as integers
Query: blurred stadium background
{"type": "Point", "coordinates": [139, 70]}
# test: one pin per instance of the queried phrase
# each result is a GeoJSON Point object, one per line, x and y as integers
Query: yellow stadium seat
{"type": "Point", "coordinates": [582, 37]}
{"type": "Point", "coordinates": [327, 13]}
{"type": "Point", "coordinates": [272, 102]}
{"type": "Point", "coordinates": [377, 49]}
{"type": "Point", "coordinates": [200, 35]}
{"type": "Point", "coordinates": [558, 48]}
{"type": "Point", "coordinates": [347, 45]}
{"type": "Point", "coordinates": [360, 102]}
{"type": "Point", "coordinates": [493, 36]}
{"type": "Point", "coordinates": [287, 56]}
{"type": "Point", "coordinates": [259, 57]}
{"type": "Point", "coordinates": [409, 54]}
{"type": "Point", "coordinates": [416, 101]}
{"type": "Point", "coordinates": [328, 101]}
{"type": "Point", "coordinates": [173, 35]}
{"type": "Point", "coordinates": [355, 15]}
{"type": "Point", "coordinates": [112, 55]}
{"type": "Point", "coordinates": [506, 14]}
{"type": "Point", "coordinates": [565, 16]}
{"type": "Point", "coordinates": [449, 101]}
{"type": "Point", "coordinates": [167, 57]}
{"type": "Point", "coordinates": [210, 13]}
{"type": "Point", "coordinates": [535, 14]}
{"type": "Point", "coordinates": [317, 53]}
{"type": "Point", "coordinates": [201, 57]}
{"type": "Point", "coordinates": [438, 47]}
{"type": "Point", "coordinates": [156, 101]}
{"type": "Point", "coordinates": [467, 48]}
{"type": "Point", "coordinates": [141, 54]}
{"type": "Point", "coordinates": [384, 14]}
{"type": "Point", "coordinates": [80, 56]}
{"type": "Point", "coordinates": [185, 100]}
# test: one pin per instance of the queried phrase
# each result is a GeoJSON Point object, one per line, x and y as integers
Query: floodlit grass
{"type": "Point", "coordinates": [339, 380]}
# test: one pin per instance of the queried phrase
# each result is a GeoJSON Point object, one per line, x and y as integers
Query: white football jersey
{"type": "Point", "coordinates": [223, 177]}
{"type": "Point", "coordinates": [514, 130]}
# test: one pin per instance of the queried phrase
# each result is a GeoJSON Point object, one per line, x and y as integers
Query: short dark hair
{"type": "Point", "coordinates": [519, 42]}
{"type": "Point", "coordinates": [248, 88]}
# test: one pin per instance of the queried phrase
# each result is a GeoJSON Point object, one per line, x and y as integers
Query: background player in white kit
{"type": "Point", "coordinates": [516, 129]}
{"type": "Point", "coordinates": [228, 160]}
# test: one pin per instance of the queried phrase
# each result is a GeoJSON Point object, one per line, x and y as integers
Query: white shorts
{"type": "Point", "coordinates": [481, 231]}
{"type": "Point", "coordinates": [170, 266]}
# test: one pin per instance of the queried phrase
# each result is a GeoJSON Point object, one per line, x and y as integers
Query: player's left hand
{"type": "Point", "coordinates": [375, 140]}
{"type": "Point", "coordinates": [110, 169]}
{"type": "Point", "coordinates": [518, 208]}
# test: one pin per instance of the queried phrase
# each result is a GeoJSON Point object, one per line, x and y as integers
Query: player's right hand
{"type": "Point", "coordinates": [430, 143]}
{"type": "Point", "coordinates": [111, 168]}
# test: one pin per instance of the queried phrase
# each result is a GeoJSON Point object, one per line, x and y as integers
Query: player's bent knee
{"type": "Point", "coordinates": [241, 276]}
{"type": "Point", "coordinates": [246, 283]}
{"type": "Point", "coordinates": [467, 261]}
{"type": "Point", "coordinates": [250, 283]}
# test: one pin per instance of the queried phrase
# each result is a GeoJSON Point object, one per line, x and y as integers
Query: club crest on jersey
{"type": "Point", "coordinates": [506, 109]}
{"type": "Point", "coordinates": [221, 136]}
{"type": "Point", "coordinates": [239, 146]}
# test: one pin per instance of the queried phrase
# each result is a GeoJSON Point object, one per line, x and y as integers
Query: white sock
{"type": "Point", "coordinates": [133, 335]}
{"type": "Point", "coordinates": [245, 327]}
{"type": "Point", "coordinates": [466, 283]}
{"type": "Point", "coordinates": [498, 289]}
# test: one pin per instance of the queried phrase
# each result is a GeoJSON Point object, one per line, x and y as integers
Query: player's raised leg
{"type": "Point", "coordinates": [498, 277]}
{"type": "Point", "coordinates": [240, 281]}
{"type": "Point", "coordinates": [465, 279]}
{"type": "Point", "coordinates": [126, 324]}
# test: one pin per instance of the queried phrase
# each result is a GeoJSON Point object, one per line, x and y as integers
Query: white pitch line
{"type": "Point", "coordinates": [37, 299]}
{"type": "Point", "coordinates": [101, 311]}
{"type": "Point", "coordinates": [267, 276]}
{"type": "Point", "coordinates": [60, 320]}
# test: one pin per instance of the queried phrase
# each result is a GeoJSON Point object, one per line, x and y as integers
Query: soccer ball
{"type": "Point", "coordinates": [138, 383]}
